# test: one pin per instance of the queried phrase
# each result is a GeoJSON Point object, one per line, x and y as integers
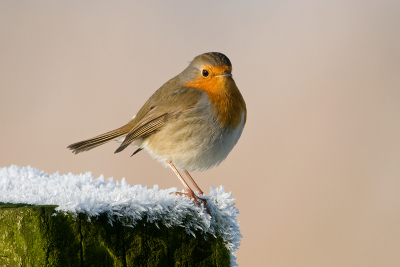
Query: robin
{"type": "Point", "coordinates": [191, 123]}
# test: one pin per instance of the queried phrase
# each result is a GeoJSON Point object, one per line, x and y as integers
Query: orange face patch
{"type": "Point", "coordinates": [223, 93]}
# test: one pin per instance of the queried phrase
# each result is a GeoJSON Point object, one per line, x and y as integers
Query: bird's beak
{"type": "Point", "coordinates": [224, 74]}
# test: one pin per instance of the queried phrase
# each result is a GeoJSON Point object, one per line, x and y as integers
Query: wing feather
{"type": "Point", "coordinates": [162, 107]}
{"type": "Point", "coordinates": [141, 131]}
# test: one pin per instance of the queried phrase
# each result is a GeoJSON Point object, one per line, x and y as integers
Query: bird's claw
{"type": "Point", "coordinates": [198, 201]}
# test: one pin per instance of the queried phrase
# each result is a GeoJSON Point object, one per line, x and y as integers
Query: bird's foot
{"type": "Point", "coordinates": [198, 201]}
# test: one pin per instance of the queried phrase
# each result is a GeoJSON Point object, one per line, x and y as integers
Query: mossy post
{"type": "Point", "coordinates": [40, 236]}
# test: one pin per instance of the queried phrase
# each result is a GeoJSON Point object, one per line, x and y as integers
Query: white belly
{"type": "Point", "coordinates": [194, 143]}
{"type": "Point", "coordinates": [201, 147]}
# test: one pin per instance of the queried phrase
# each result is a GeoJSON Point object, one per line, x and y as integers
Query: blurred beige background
{"type": "Point", "coordinates": [316, 174]}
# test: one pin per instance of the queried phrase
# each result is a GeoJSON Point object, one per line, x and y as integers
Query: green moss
{"type": "Point", "coordinates": [38, 236]}
{"type": "Point", "coordinates": [31, 236]}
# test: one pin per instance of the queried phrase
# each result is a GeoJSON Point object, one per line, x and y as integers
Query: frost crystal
{"type": "Point", "coordinates": [83, 194]}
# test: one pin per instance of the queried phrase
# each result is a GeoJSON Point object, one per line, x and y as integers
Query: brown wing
{"type": "Point", "coordinates": [160, 111]}
{"type": "Point", "coordinates": [144, 129]}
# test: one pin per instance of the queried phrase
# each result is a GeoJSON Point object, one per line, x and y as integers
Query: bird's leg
{"type": "Point", "coordinates": [190, 191]}
{"type": "Point", "coordinates": [194, 183]}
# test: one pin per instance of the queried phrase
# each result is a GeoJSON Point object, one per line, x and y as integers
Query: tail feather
{"type": "Point", "coordinates": [98, 140]}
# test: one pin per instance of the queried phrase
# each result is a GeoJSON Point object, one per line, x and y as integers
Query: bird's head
{"type": "Point", "coordinates": [210, 72]}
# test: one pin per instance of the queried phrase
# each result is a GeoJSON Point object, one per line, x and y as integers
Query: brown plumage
{"type": "Point", "coordinates": [91, 143]}
{"type": "Point", "coordinates": [192, 122]}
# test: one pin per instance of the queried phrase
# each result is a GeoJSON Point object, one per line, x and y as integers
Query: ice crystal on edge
{"type": "Point", "coordinates": [83, 194]}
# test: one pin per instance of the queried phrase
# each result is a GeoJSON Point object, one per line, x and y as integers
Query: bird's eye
{"type": "Point", "coordinates": [204, 73]}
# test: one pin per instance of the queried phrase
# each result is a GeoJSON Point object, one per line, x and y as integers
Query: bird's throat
{"type": "Point", "coordinates": [226, 98]}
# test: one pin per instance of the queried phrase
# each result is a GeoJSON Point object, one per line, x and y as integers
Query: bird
{"type": "Point", "coordinates": [190, 123]}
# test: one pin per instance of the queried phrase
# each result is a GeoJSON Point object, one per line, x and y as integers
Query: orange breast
{"type": "Point", "coordinates": [228, 102]}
